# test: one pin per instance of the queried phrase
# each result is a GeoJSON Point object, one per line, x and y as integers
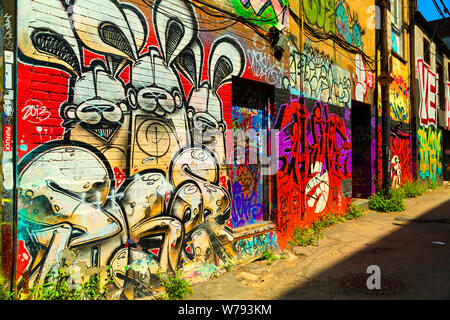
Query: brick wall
{"type": "Point", "coordinates": [124, 113]}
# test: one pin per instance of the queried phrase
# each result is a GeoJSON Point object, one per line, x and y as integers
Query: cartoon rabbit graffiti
{"type": "Point", "coordinates": [146, 157]}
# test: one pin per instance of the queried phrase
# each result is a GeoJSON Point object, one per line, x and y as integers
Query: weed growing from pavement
{"type": "Point", "coordinates": [387, 201]}
{"type": "Point", "coordinates": [413, 189]}
{"type": "Point", "coordinates": [5, 294]}
{"type": "Point", "coordinates": [433, 185]}
{"type": "Point", "coordinates": [392, 201]}
{"type": "Point", "coordinates": [229, 265]}
{"type": "Point", "coordinates": [267, 254]}
{"type": "Point", "coordinates": [57, 286]}
{"type": "Point", "coordinates": [354, 212]}
{"type": "Point", "coordinates": [175, 285]}
{"type": "Point", "coordinates": [311, 235]}
{"type": "Point", "coordinates": [306, 236]}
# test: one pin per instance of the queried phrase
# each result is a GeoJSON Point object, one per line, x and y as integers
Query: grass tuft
{"type": "Point", "coordinates": [391, 201]}
{"type": "Point", "coordinates": [177, 288]}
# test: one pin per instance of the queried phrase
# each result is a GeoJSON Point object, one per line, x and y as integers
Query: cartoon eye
{"type": "Point", "coordinates": [177, 99]}
{"type": "Point", "coordinates": [204, 124]}
{"type": "Point", "coordinates": [187, 215]}
{"type": "Point", "coordinates": [132, 98]}
{"type": "Point", "coordinates": [207, 212]}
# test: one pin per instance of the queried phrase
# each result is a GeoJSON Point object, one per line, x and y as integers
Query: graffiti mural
{"type": "Point", "coordinates": [256, 244]}
{"type": "Point", "coordinates": [314, 172]}
{"type": "Point", "coordinates": [447, 107]}
{"type": "Point", "coordinates": [429, 137]}
{"type": "Point", "coordinates": [430, 152]}
{"type": "Point", "coordinates": [398, 99]}
{"type": "Point", "coordinates": [264, 12]}
{"type": "Point", "coordinates": [334, 17]}
{"type": "Point", "coordinates": [320, 77]}
{"type": "Point", "coordinates": [428, 90]}
{"type": "Point", "coordinates": [401, 164]}
{"type": "Point", "coordinates": [266, 68]}
{"type": "Point", "coordinates": [125, 163]}
{"type": "Point", "coordinates": [247, 175]}
{"type": "Point", "coordinates": [364, 79]}
{"type": "Point", "coordinates": [401, 145]}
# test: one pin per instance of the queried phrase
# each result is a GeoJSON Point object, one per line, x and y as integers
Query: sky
{"type": "Point", "coordinates": [429, 11]}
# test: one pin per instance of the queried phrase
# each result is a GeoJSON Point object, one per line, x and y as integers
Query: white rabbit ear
{"type": "Point", "coordinates": [190, 62]}
{"type": "Point", "coordinates": [226, 59]}
{"type": "Point", "coordinates": [175, 25]}
{"type": "Point", "coordinates": [103, 27]}
{"type": "Point", "coordinates": [138, 24]}
{"type": "Point", "coordinates": [47, 42]}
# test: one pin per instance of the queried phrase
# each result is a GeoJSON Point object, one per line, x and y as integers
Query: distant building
{"type": "Point", "coordinates": [432, 82]}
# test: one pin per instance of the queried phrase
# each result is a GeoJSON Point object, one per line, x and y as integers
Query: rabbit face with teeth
{"type": "Point", "coordinates": [226, 59]}
{"type": "Point", "coordinates": [156, 88]}
{"type": "Point", "coordinates": [208, 127]}
{"type": "Point", "coordinates": [99, 111]}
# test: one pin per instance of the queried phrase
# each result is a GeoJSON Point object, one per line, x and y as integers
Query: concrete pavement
{"type": "Point", "coordinates": [413, 257]}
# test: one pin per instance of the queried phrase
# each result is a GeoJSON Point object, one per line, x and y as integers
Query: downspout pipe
{"type": "Point", "coordinates": [412, 62]}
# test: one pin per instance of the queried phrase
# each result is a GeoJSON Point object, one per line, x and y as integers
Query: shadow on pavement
{"type": "Point", "coordinates": [411, 265]}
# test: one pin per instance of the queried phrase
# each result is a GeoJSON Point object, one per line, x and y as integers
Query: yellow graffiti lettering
{"type": "Point", "coordinates": [430, 151]}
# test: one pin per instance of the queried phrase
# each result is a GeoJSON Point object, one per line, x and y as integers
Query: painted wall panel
{"type": "Point", "coordinates": [125, 111]}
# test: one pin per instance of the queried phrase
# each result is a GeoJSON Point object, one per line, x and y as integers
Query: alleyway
{"type": "Point", "coordinates": [411, 264]}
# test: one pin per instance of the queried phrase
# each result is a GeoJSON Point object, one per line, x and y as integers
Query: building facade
{"type": "Point", "coordinates": [432, 83]}
{"type": "Point", "coordinates": [401, 114]}
{"type": "Point", "coordinates": [187, 135]}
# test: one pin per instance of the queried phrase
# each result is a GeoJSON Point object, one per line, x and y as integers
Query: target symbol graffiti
{"type": "Point", "coordinates": [154, 138]}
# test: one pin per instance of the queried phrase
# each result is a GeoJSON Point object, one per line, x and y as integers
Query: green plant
{"type": "Point", "coordinates": [228, 265]}
{"type": "Point", "coordinates": [268, 254]}
{"type": "Point", "coordinates": [387, 201]}
{"type": "Point", "coordinates": [354, 212]}
{"type": "Point", "coordinates": [413, 189]}
{"type": "Point", "coordinates": [57, 286]}
{"type": "Point", "coordinates": [175, 285]}
{"type": "Point", "coordinates": [311, 235]}
{"type": "Point", "coordinates": [5, 294]}
{"type": "Point", "coordinates": [433, 184]}
{"type": "Point", "coordinates": [306, 236]}
{"type": "Point", "coordinates": [215, 274]}
{"type": "Point", "coordinates": [325, 221]}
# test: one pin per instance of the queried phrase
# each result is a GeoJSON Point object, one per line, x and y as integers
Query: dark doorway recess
{"type": "Point", "coordinates": [251, 186]}
{"type": "Point", "coordinates": [446, 154]}
{"type": "Point", "coordinates": [361, 143]}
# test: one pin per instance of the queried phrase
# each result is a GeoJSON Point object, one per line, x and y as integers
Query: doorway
{"type": "Point", "coordinates": [361, 144]}
{"type": "Point", "coordinates": [250, 184]}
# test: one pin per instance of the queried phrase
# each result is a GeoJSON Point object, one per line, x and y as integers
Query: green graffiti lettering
{"type": "Point", "coordinates": [332, 17]}
{"type": "Point", "coordinates": [430, 151]}
{"type": "Point", "coordinates": [321, 14]}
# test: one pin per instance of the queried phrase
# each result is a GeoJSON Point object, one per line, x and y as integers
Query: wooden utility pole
{"type": "Point", "coordinates": [412, 87]}
{"type": "Point", "coordinates": [386, 112]}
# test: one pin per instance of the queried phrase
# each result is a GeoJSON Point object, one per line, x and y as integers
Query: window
{"type": "Point", "coordinates": [397, 26]}
{"type": "Point", "coordinates": [397, 13]}
{"type": "Point", "coordinates": [426, 52]}
{"type": "Point", "coordinates": [448, 75]}
{"type": "Point", "coordinates": [441, 93]}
